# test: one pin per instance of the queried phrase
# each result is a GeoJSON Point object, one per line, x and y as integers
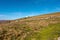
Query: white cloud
{"type": "Point", "coordinates": [32, 14]}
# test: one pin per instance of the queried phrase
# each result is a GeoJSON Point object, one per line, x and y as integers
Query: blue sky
{"type": "Point", "coordinates": [13, 9]}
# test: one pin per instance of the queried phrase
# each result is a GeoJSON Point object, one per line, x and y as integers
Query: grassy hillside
{"type": "Point", "coordinates": [49, 33]}
{"type": "Point", "coordinates": [41, 27]}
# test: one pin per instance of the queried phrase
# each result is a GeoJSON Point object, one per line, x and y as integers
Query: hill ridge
{"type": "Point", "coordinates": [31, 28]}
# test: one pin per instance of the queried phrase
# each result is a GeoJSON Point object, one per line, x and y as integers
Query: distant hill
{"type": "Point", "coordinates": [4, 21]}
{"type": "Point", "coordinates": [40, 27]}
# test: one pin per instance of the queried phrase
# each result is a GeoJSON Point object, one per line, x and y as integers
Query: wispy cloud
{"type": "Point", "coordinates": [1, 15]}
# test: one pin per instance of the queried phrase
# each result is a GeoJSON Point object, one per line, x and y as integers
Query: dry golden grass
{"type": "Point", "coordinates": [20, 28]}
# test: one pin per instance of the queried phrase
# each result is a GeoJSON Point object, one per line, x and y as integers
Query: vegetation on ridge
{"type": "Point", "coordinates": [44, 27]}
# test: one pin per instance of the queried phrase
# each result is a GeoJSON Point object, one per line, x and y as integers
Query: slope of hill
{"type": "Point", "coordinates": [41, 27]}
